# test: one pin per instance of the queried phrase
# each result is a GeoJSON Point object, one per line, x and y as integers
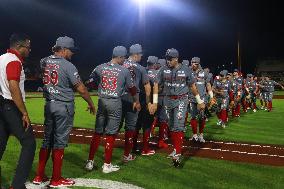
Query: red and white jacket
{"type": "Point", "coordinates": [11, 69]}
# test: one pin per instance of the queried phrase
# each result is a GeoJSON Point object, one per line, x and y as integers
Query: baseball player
{"type": "Point", "coordinates": [112, 79]}
{"type": "Point", "coordinates": [14, 117]}
{"type": "Point", "coordinates": [241, 100]}
{"type": "Point", "coordinates": [60, 78]}
{"type": "Point", "coordinates": [268, 88]}
{"type": "Point", "coordinates": [203, 85]}
{"type": "Point", "coordinates": [176, 80]}
{"type": "Point", "coordinates": [252, 87]}
{"type": "Point", "coordinates": [261, 92]}
{"type": "Point", "coordinates": [145, 118]}
{"type": "Point", "coordinates": [224, 95]}
{"type": "Point", "coordinates": [141, 79]}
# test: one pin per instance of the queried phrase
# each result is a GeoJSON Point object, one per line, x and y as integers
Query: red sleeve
{"type": "Point", "coordinates": [13, 70]}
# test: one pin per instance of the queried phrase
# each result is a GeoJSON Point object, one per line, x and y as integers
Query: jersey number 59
{"type": "Point", "coordinates": [50, 77]}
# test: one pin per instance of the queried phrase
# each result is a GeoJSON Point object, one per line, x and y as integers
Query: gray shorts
{"type": "Point", "coordinates": [176, 111]}
{"type": "Point", "coordinates": [108, 116]}
{"type": "Point", "coordinates": [58, 123]}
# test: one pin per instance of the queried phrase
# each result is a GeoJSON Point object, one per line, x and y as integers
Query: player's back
{"type": "Point", "coordinates": [59, 78]}
{"type": "Point", "coordinates": [112, 80]}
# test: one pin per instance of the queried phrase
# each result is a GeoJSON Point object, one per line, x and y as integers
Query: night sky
{"type": "Point", "coordinates": [205, 28]}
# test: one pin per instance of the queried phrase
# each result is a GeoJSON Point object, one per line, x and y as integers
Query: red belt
{"type": "Point", "coordinates": [174, 97]}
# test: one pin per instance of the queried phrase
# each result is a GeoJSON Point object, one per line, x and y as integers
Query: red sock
{"type": "Point", "coordinates": [163, 130]}
{"type": "Point", "coordinates": [95, 143]}
{"type": "Point", "coordinates": [128, 142]}
{"type": "Point", "coordinates": [109, 147]}
{"type": "Point", "coordinates": [223, 116]}
{"type": "Point", "coordinates": [254, 105]}
{"type": "Point", "coordinates": [193, 124]}
{"type": "Point", "coordinates": [177, 137]}
{"type": "Point", "coordinates": [135, 138]}
{"type": "Point", "coordinates": [244, 104]}
{"type": "Point", "coordinates": [146, 136]}
{"type": "Point", "coordinates": [270, 105]}
{"type": "Point", "coordinates": [238, 109]}
{"type": "Point", "coordinates": [57, 158]}
{"type": "Point", "coordinates": [201, 125]}
{"type": "Point", "coordinates": [43, 157]}
{"type": "Point", "coordinates": [218, 115]}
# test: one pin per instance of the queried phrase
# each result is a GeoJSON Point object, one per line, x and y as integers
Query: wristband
{"type": "Point", "coordinates": [155, 98]}
{"type": "Point", "coordinates": [198, 99]}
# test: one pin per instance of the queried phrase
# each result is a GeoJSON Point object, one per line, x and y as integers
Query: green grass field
{"type": "Point", "coordinates": [156, 171]}
{"type": "Point", "coordinates": [260, 127]}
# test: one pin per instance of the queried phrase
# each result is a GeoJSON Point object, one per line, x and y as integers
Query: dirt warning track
{"type": "Point", "coordinates": [232, 151]}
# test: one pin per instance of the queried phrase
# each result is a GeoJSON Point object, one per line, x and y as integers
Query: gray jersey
{"type": "Point", "coordinates": [175, 81]}
{"type": "Point", "coordinates": [112, 80]}
{"type": "Point", "coordinates": [269, 86]}
{"type": "Point", "coordinates": [225, 87]}
{"type": "Point", "coordinates": [202, 80]}
{"type": "Point", "coordinates": [59, 78]}
{"type": "Point", "coordinates": [138, 73]}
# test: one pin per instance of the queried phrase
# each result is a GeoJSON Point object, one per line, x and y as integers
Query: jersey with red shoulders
{"type": "Point", "coordinates": [59, 78]}
{"type": "Point", "coordinates": [11, 69]}
{"type": "Point", "coordinates": [112, 80]}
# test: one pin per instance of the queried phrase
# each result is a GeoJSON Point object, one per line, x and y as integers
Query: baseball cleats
{"type": "Point", "coordinates": [262, 107]}
{"type": "Point", "coordinates": [89, 165]}
{"type": "Point", "coordinates": [61, 182]}
{"type": "Point", "coordinates": [201, 139]}
{"type": "Point", "coordinates": [176, 160]}
{"type": "Point", "coordinates": [39, 180]}
{"type": "Point", "coordinates": [128, 158]}
{"type": "Point", "coordinates": [148, 152]}
{"type": "Point", "coordinates": [223, 125]}
{"type": "Point", "coordinates": [219, 122]}
{"type": "Point", "coordinates": [194, 138]}
{"type": "Point", "coordinates": [254, 110]}
{"type": "Point", "coordinates": [108, 168]}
